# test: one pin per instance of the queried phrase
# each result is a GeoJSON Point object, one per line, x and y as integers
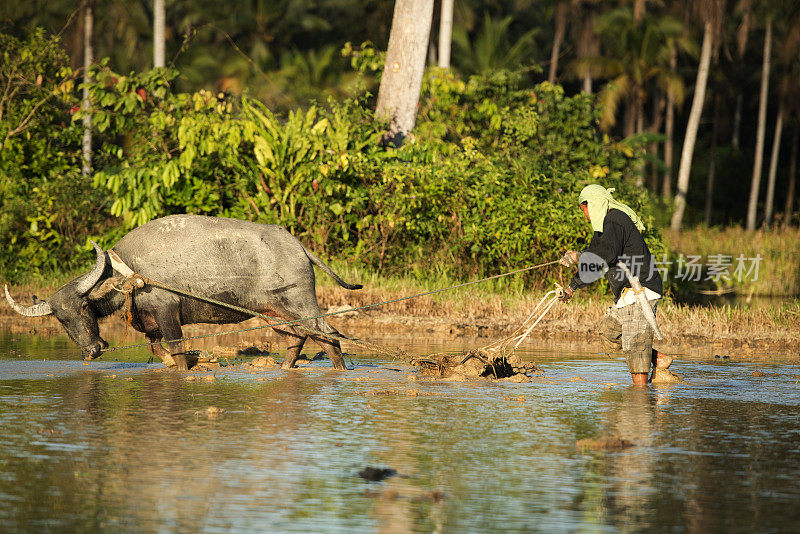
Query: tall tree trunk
{"type": "Point", "coordinates": [158, 33]}
{"type": "Point", "coordinates": [773, 166]}
{"type": "Point", "coordinates": [712, 164]}
{"type": "Point", "coordinates": [652, 148]}
{"type": "Point", "coordinates": [88, 22]}
{"type": "Point", "coordinates": [790, 193]}
{"type": "Point", "coordinates": [691, 128]}
{"type": "Point", "coordinates": [445, 33]}
{"type": "Point", "coordinates": [669, 132]}
{"type": "Point", "coordinates": [639, 129]}
{"type": "Point", "coordinates": [638, 11]}
{"type": "Point", "coordinates": [755, 183]}
{"type": "Point", "coordinates": [587, 84]}
{"type": "Point", "coordinates": [737, 121]}
{"type": "Point", "coordinates": [588, 44]}
{"type": "Point", "coordinates": [398, 94]}
{"type": "Point", "coordinates": [562, 10]}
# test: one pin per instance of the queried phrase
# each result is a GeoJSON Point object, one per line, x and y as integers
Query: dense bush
{"type": "Point", "coordinates": [46, 207]}
{"type": "Point", "coordinates": [488, 182]}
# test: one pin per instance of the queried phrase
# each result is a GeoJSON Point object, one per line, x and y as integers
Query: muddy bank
{"type": "Point", "coordinates": [567, 327]}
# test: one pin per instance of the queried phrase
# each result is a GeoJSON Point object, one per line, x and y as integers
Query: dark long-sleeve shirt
{"type": "Point", "coordinates": [620, 240]}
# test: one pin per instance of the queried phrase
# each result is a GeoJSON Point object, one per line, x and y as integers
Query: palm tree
{"type": "Point", "coordinates": [712, 161]}
{"type": "Point", "coordinates": [587, 43]}
{"type": "Point", "coordinates": [789, 70]}
{"type": "Point", "coordinates": [711, 13]}
{"type": "Point", "coordinates": [88, 58]}
{"type": "Point", "coordinates": [490, 48]}
{"type": "Point", "coordinates": [755, 181]}
{"type": "Point", "coordinates": [669, 130]}
{"type": "Point", "coordinates": [638, 54]}
{"type": "Point", "coordinates": [445, 33]}
{"type": "Point", "coordinates": [401, 82]}
{"type": "Point", "coordinates": [563, 8]}
{"type": "Point", "coordinates": [158, 33]}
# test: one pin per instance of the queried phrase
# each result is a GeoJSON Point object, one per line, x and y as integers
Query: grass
{"type": "Point", "coordinates": [779, 270]}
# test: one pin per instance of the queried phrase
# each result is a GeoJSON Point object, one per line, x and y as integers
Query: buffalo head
{"type": "Point", "coordinates": [71, 305]}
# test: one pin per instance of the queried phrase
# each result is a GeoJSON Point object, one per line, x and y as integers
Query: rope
{"type": "Point", "coordinates": [296, 322]}
{"type": "Point", "coordinates": [502, 344]}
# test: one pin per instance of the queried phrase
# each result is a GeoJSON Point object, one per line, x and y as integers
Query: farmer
{"type": "Point", "coordinates": [617, 237]}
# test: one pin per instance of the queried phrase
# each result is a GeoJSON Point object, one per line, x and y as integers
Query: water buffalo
{"type": "Point", "coordinates": [255, 266]}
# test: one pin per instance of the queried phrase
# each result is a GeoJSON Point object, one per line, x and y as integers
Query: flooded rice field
{"type": "Point", "coordinates": [127, 445]}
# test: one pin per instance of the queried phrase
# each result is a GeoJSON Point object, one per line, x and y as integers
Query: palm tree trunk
{"type": "Point", "coordinates": [669, 132]}
{"type": "Point", "coordinates": [737, 121]}
{"type": "Point", "coordinates": [755, 183]}
{"type": "Point", "coordinates": [588, 44]}
{"type": "Point", "coordinates": [790, 193]}
{"type": "Point", "coordinates": [652, 148]}
{"type": "Point", "coordinates": [638, 11]}
{"type": "Point", "coordinates": [691, 128]}
{"type": "Point", "coordinates": [445, 33]}
{"type": "Point", "coordinates": [158, 33]}
{"type": "Point", "coordinates": [562, 9]}
{"type": "Point", "coordinates": [773, 166]}
{"type": "Point", "coordinates": [712, 164]}
{"type": "Point", "coordinates": [88, 22]}
{"type": "Point", "coordinates": [401, 82]}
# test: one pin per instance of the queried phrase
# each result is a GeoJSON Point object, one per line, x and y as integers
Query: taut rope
{"type": "Point", "coordinates": [136, 281]}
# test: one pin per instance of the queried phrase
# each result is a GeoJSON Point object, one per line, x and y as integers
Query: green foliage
{"type": "Point", "coordinates": [488, 183]}
{"type": "Point", "coordinates": [164, 153]}
{"type": "Point", "coordinates": [46, 207]}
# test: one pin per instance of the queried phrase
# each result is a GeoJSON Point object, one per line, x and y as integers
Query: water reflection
{"type": "Point", "coordinates": [111, 446]}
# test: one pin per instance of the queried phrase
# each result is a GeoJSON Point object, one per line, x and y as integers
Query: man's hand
{"type": "Point", "coordinates": [569, 258]}
{"type": "Point", "coordinates": [566, 295]}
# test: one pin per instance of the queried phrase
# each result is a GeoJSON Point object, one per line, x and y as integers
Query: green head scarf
{"type": "Point", "coordinates": [599, 201]}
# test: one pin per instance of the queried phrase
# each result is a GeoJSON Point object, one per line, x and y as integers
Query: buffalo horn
{"type": "Point", "coordinates": [94, 275]}
{"type": "Point", "coordinates": [37, 310]}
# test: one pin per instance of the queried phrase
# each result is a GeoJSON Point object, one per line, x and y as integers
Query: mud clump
{"type": "Point", "coordinates": [472, 365]}
{"type": "Point", "coordinates": [264, 361]}
{"type": "Point", "coordinates": [604, 443]}
{"type": "Point", "coordinates": [212, 412]}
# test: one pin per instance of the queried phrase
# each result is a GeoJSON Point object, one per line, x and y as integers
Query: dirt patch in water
{"type": "Point", "coordinates": [472, 365]}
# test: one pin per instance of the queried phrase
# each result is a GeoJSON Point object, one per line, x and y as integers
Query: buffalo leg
{"type": "Point", "coordinates": [333, 349]}
{"type": "Point", "coordinates": [294, 346]}
{"type": "Point", "coordinates": [158, 350]}
{"type": "Point", "coordinates": [171, 328]}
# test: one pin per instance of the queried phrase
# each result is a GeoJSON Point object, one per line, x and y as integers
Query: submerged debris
{"type": "Point", "coordinates": [604, 443]}
{"type": "Point", "coordinates": [473, 364]}
{"type": "Point", "coordinates": [376, 474]}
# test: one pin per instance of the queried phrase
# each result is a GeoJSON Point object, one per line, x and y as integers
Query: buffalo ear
{"type": "Point", "coordinates": [108, 285]}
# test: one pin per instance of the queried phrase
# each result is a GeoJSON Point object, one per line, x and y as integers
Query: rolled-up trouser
{"type": "Point", "coordinates": [627, 327]}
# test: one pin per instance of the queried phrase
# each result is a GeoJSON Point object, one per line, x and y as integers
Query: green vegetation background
{"type": "Point", "coordinates": [487, 184]}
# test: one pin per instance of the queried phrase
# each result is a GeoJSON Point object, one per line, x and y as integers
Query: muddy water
{"type": "Point", "coordinates": [124, 445]}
